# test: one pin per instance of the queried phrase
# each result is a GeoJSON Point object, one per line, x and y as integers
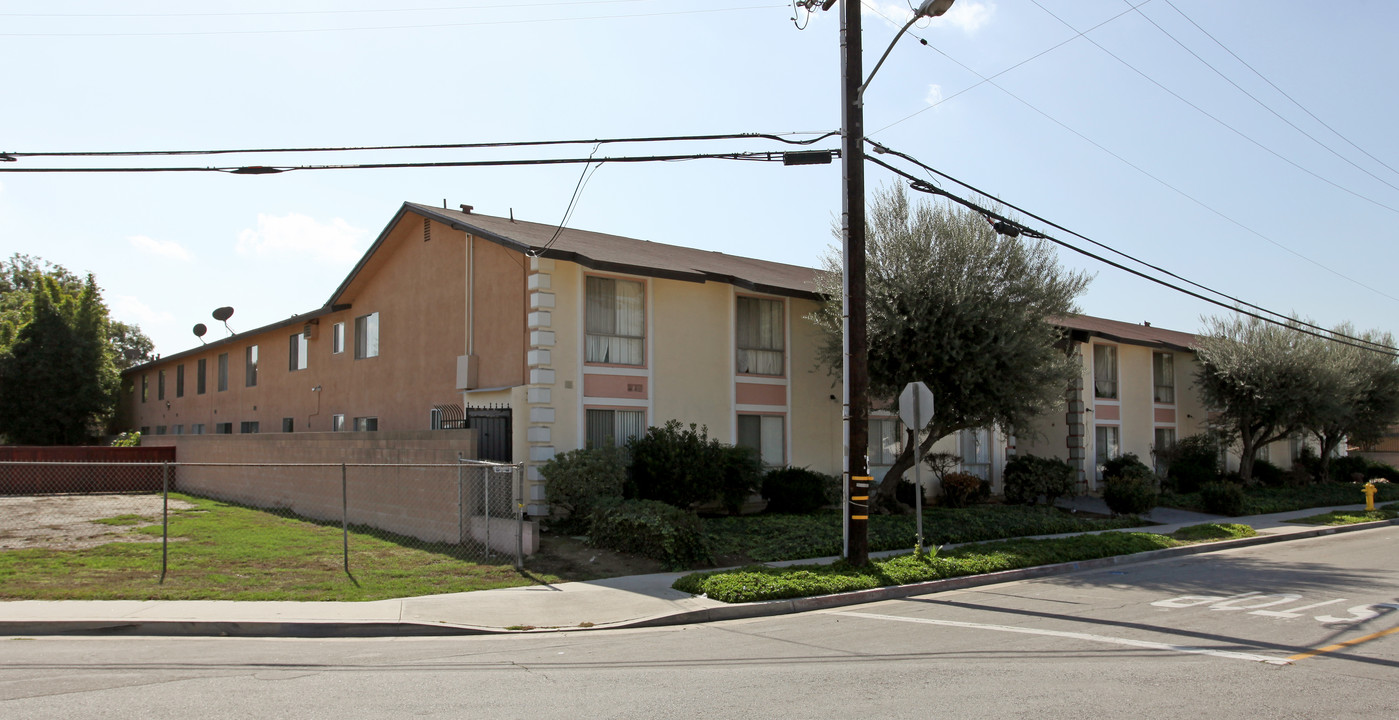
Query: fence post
{"type": "Point", "coordinates": [345, 517]}
{"type": "Point", "coordinates": [461, 504]}
{"type": "Point", "coordinates": [164, 518]}
{"type": "Point", "coordinates": [486, 507]}
{"type": "Point", "coordinates": [518, 491]}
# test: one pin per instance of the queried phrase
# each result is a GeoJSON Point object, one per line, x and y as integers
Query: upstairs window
{"type": "Point", "coordinates": [616, 321]}
{"type": "Point", "coordinates": [1105, 372]}
{"type": "Point", "coordinates": [1163, 372]}
{"type": "Point", "coordinates": [367, 336]}
{"type": "Point", "coordinates": [250, 366]}
{"type": "Point", "coordinates": [337, 338]}
{"type": "Point", "coordinates": [201, 373]}
{"type": "Point", "coordinates": [296, 359]}
{"type": "Point", "coordinates": [761, 339]}
{"type": "Point", "coordinates": [179, 381]}
{"type": "Point", "coordinates": [366, 424]}
{"type": "Point", "coordinates": [223, 372]}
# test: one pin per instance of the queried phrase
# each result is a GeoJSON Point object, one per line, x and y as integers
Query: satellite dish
{"type": "Point", "coordinates": [199, 331]}
{"type": "Point", "coordinates": [223, 314]}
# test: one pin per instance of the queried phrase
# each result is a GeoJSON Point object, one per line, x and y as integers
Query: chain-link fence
{"type": "Point", "coordinates": [366, 514]}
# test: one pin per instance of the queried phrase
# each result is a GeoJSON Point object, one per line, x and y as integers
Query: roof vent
{"type": "Point", "coordinates": [466, 209]}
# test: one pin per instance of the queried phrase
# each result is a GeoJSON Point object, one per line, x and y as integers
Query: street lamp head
{"type": "Point", "coordinates": [933, 8]}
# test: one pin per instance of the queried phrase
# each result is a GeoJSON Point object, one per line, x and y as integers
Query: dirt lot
{"type": "Point", "coordinates": [68, 522]}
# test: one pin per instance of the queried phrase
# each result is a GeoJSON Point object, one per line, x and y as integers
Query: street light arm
{"type": "Point", "coordinates": [860, 94]}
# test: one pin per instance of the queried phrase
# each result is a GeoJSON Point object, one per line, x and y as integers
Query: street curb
{"type": "Point", "coordinates": [738, 611]}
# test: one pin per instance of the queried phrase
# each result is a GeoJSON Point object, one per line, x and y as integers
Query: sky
{"type": "Point", "coordinates": [1247, 146]}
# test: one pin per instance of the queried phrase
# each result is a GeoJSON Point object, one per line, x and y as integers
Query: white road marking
{"type": "Point", "coordinates": [1076, 636]}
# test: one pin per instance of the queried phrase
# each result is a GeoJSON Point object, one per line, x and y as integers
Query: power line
{"type": "Point", "coordinates": [1219, 121]}
{"type": "Point", "coordinates": [1280, 90]}
{"type": "Point", "coordinates": [924, 186]}
{"type": "Point", "coordinates": [885, 149]}
{"type": "Point", "coordinates": [271, 170]}
{"type": "Point", "coordinates": [1144, 171]}
{"type": "Point", "coordinates": [779, 137]}
{"type": "Point", "coordinates": [393, 27]}
{"type": "Point", "coordinates": [1260, 103]}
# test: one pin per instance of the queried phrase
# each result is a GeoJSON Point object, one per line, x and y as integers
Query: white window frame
{"type": "Point", "coordinates": [606, 340]}
{"type": "Point", "coordinates": [756, 349]}
{"type": "Point", "coordinates": [297, 350]}
{"type": "Point", "coordinates": [367, 336]}
{"type": "Point", "coordinates": [772, 429]}
{"type": "Point", "coordinates": [626, 423]}
{"type": "Point", "coordinates": [1163, 364]}
{"type": "Point", "coordinates": [1105, 374]}
{"type": "Point", "coordinates": [337, 338]}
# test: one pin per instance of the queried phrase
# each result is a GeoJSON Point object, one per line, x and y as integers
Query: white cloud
{"type": "Point", "coordinates": [294, 234]}
{"type": "Point", "coordinates": [163, 248]}
{"type": "Point", "coordinates": [132, 311]}
{"type": "Point", "coordinates": [934, 95]}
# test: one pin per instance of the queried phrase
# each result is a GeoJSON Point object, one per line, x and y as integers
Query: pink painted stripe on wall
{"type": "Point", "coordinates": [1108, 412]}
{"type": "Point", "coordinates": [760, 394]}
{"type": "Point", "coordinates": [1165, 415]}
{"type": "Point", "coordinates": [615, 386]}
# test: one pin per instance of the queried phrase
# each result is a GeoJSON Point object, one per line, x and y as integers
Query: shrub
{"type": "Point", "coordinates": [962, 489]}
{"type": "Point", "coordinates": [1127, 465]}
{"type": "Point", "coordinates": [1381, 471]}
{"type": "Point", "coordinates": [797, 490]}
{"type": "Point", "coordinates": [1222, 498]}
{"type": "Point", "coordinates": [1027, 478]}
{"type": "Point", "coordinates": [652, 529]}
{"type": "Point", "coordinates": [906, 493]}
{"type": "Point", "coordinates": [130, 438]}
{"type": "Point", "coordinates": [1130, 494]}
{"type": "Point", "coordinates": [685, 467]}
{"type": "Point", "coordinates": [577, 480]}
{"type": "Point", "coordinates": [1268, 474]}
{"type": "Point", "coordinates": [1191, 462]}
{"type": "Point", "coordinates": [1344, 468]}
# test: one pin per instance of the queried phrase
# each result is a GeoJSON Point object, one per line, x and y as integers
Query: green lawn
{"type": "Point", "coordinates": [1265, 500]}
{"type": "Point", "coordinates": [227, 552]}
{"type": "Point", "coordinates": [1349, 517]}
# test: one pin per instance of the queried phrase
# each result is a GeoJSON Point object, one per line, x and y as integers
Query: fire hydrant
{"type": "Point", "coordinates": [1369, 491]}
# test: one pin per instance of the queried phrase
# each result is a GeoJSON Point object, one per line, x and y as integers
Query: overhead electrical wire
{"type": "Point", "coordinates": [1284, 93]}
{"type": "Point", "coordinates": [779, 137]}
{"type": "Point", "coordinates": [1219, 121]}
{"type": "Point", "coordinates": [1140, 169]}
{"type": "Point", "coordinates": [880, 148]}
{"type": "Point", "coordinates": [924, 186]}
{"type": "Point", "coordinates": [270, 170]}
{"type": "Point", "coordinates": [1259, 102]}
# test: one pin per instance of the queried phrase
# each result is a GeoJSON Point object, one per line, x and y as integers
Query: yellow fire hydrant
{"type": "Point", "coordinates": [1369, 491]}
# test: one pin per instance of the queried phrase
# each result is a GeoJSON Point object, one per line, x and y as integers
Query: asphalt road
{"type": "Point", "coordinates": [1302, 629]}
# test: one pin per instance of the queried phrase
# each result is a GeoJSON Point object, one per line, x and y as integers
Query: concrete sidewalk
{"type": "Point", "coordinates": [634, 601]}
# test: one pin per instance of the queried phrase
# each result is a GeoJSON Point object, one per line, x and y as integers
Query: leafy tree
{"type": "Point", "coordinates": [130, 346]}
{"type": "Point", "coordinates": [58, 368]}
{"type": "Point", "coordinates": [1360, 394]}
{"type": "Point", "coordinates": [961, 308]}
{"type": "Point", "coordinates": [1265, 380]}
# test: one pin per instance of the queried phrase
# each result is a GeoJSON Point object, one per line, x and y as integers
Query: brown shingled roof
{"type": "Point", "coordinates": [601, 251]}
{"type": "Point", "coordinates": [1127, 332]}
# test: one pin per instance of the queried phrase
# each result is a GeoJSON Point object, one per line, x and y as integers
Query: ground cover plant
{"type": "Point", "coordinates": [766, 538]}
{"type": "Point", "coordinates": [1349, 517]}
{"type": "Point", "coordinates": [228, 552]}
{"type": "Point", "coordinates": [756, 582]}
{"type": "Point", "coordinates": [1263, 500]}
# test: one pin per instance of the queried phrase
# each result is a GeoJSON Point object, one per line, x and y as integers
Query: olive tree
{"type": "Point", "coordinates": [961, 308]}
{"type": "Point", "coordinates": [1359, 394]}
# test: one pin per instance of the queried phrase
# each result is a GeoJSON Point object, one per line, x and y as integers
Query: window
{"type": "Point", "coordinates": [975, 447]}
{"type": "Point", "coordinates": [199, 375]}
{"type": "Point", "coordinates": [223, 372]}
{"type": "Point", "coordinates": [337, 423]}
{"type": "Point", "coordinates": [297, 354]}
{"type": "Point", "coordinates": [613, 428]}
{"type": "Point", "coordinates": [337, 338]}
{"type": "Point", "coordinates": [248, 427]}
{"type": "Point", "coordinates": [160, 385]}
{"type": "Point", "coordinates": [615, 322]}
{"type": "Point", "coordinates": [1107, 445]}
{"type": "Point", "coordinates": [367, 336]}
{"type": "Point", "coordinates": [250, 366]}
{"type": "Point", "coordinates": [177, 430]}
{"type": "Point", "coordinates": [159, 429]}
{"type": "Point", "coordinates": [1105, 371]}
{"type": "Point", "coordinates": [145, 386]}
{"type": "Point", "coordinates": [764, 433]}
{"type": "Point", "coordinates": [1295, 445]}
{"type": "Point", "coordinates": [1163, 370]}
{"type": "Point", "coordinates": [179, 381]}
{"type": "Point", "coordinates": [1165, 440]}
{"type": "Point", "coordinates": [223, 428]}
{"type": "Point", "coordinates": [760, 338]}
{"type": "Point", "coordinates": [885, 440]}
{"type": "Point", "coordinates": [1263, 454]}
{"type": "Point", "coordinates": [366, 424]}
{"type": "Point", "coordinates": [288, 424]}
{"type": "Point", "coordinates": [196, 429]}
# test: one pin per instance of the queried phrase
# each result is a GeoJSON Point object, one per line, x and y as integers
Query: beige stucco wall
{"type": "Point", "coordinates": [817, 430]}
{"type": "Point", "coordinates": [692, 355]}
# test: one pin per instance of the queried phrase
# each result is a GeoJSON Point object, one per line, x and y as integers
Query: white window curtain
{"type": "Point", "coordinates": [1105, 371]}
{"type": "Point", "coordinates": [761, 339]}
{"type": "Point", "coordinates": [1108, 445]}
{"type": "Point", "coordinates": [1164, 368]}
{"type": "Point", "coordinates": [616, 322]}
{"type": "Point", "coordinates": [613, 428]}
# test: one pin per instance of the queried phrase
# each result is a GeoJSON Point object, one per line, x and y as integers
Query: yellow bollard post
{"type": "Point", "coordinates": [1369, 491]}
